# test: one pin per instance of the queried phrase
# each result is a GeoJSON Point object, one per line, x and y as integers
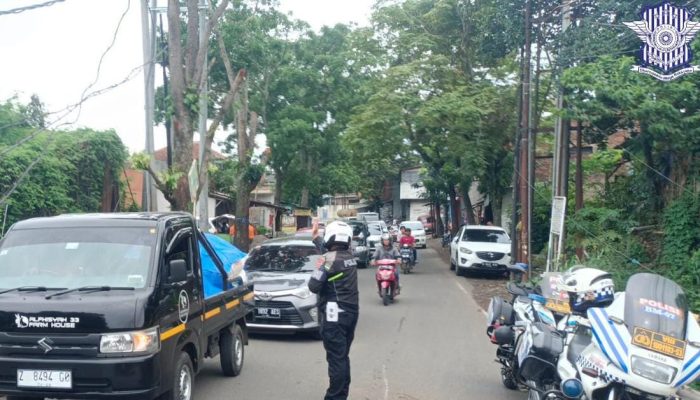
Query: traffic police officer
{"type": "Point", "coordinates": [335, 282]}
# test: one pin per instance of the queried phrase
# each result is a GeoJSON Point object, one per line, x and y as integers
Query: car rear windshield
{"type": "Point", "coordinates": [413, 226]}
{"type": "Point", "coordinates": [485, 236]}
{"type": "Point", "coordinates": [292, 258]}
{"type": "Point", "coordinates": [74, 257]}
{"type": "Point", "coordinates": [375, 229]}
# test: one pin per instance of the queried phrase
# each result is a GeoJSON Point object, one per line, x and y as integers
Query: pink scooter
{"type": "Point", "coordinates": [386, 280]}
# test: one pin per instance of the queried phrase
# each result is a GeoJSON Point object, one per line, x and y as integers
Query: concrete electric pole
{"type": "Point", "coordinates": [148, 24]}
{"type": "Point", "coordinates": [203, 201]}
{"type": "Point", "coordinates": [524, 179]}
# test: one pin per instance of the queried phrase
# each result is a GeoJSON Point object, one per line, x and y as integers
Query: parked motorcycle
{"type": "Point", "coordinates": [446, 239]}
{"type": "Point", "coordinates": [645, 345]}
{"type": "Point", "coordinates": [517, 327]}
{"type": "Point", "coordinates": [386, 280]}
{"type": "Point", "coordinates": [407, 262]}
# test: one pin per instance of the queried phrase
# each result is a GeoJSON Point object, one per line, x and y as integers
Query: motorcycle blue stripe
{"type": "Point", "coordinates": [687, 377]}
{"type": "Point", "coordinates": [617, 333]}
{"type": "Point", "coordinates": [608, 340]}
{"type": "Point", "coordinates": [691, 361]}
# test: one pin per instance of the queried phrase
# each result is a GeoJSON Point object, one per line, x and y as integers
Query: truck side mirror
{"type": "Point", "coordinates": [178, 271]}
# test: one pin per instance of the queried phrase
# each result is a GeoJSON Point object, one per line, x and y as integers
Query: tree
{"type": "Point", "coordinates": [186, 59]}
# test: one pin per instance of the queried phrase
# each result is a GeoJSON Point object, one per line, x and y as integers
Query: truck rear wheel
{"type": "Point", "coordinates": [232, 351]}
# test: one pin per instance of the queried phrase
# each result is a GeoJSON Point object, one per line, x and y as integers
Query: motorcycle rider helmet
{"type": "Point", "coordinates": [337, 233]}
{"type": "Point", "coordinates": [385, 236]}
{"type": "Point", "coordinates": [588, 287]}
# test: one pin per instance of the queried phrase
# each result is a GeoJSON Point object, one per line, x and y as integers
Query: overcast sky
{"type": "Point", "coordinates": [54, 52]}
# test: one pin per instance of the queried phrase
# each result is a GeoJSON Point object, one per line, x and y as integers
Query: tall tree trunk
{"type": "Point", "coordinates": [278, 186]}
{"type": "Point", "coordinates": [241, 240]}
{"type": "Point", "coordinates": [439, 227]}
{"type": "Point", "coordinates": [107, 189]}
{"type": "Point", "coordinates": [454, 209]}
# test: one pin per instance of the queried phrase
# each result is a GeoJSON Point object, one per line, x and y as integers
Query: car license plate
{"type": "Point", "coordinates": [492, 265]}
{"type": "Point", "coordinates": [659, 343]}
{"type": "Point", "coordinates": [42, 378]}
{"type": "Point", "coordinates": [264, 312]}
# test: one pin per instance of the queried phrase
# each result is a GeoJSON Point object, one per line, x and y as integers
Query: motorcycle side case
{"type": "Point", "coordinates": [546, 344]}
{"type": "Point", "coordinates": [500, 312]}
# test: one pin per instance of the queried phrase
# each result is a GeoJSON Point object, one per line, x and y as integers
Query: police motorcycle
{"type": "Point", "coordinates": [579, 289]}
{"type": "Point", "coordinates": [644, 345]}
{"type": "Point", "coordinates": [511, 324]}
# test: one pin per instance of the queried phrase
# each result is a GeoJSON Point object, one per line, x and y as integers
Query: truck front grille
{"type": "Point", "coordinates": [61, 346]}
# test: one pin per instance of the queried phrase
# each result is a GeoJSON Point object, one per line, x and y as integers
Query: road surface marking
{"type": "Point", "coordinates": [386, 382]}
{"type": "Point", "coordinates": [463, 289]}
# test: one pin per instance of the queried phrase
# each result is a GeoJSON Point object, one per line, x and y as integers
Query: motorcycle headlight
{"type": "Point", "coordinates": [465, 250]}
{"type": "Point", "coordinates": [146, 341]}
{"type": "Point", "coordinates": [653, 370]}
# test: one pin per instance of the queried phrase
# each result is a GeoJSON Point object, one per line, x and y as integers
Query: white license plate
{"type": "Point", "coordinates": [42, 378]}
{"type": "Point", "coordinates": [492, 265]}
{"type": "Point", "coordinates": [268, 312]}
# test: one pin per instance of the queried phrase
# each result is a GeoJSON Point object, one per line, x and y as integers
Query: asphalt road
{"type": "Point", "coordinates": [429, 345]}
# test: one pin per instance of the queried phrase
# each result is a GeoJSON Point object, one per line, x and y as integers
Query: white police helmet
{"type": "Point", "coordinates": [338, 233]}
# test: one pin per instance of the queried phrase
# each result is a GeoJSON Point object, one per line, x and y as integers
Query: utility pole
{"type": "Point", "coordinates": [560, 170]}
{"type": "Point", "coordinates": [164, 64]}
{"type": "Point", "coordinates": [579, 181]}
{"type": "Point", "coordinates": [149, 49]}
{"type": "Point", "coordinates": [524, 253]}
{"type": "Point", "coordinates": [203, 201]}
{"type": "Point", "coordinates": [514, 233]}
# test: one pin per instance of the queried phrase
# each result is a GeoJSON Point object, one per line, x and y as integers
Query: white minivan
{"type": "Point", "coordinates": [417, 231]}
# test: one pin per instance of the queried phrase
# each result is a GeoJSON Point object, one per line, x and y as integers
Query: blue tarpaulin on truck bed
{"type": "Point", "coordinates": [227, 253]}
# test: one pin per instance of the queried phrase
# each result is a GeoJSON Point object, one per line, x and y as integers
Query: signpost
{"type": "Point", "coordinates": [556, 232]}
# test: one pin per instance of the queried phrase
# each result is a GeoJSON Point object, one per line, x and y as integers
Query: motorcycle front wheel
{"type": "Point", "coordinates": [385, 296]}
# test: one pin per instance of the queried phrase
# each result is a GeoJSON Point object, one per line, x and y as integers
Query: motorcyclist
{"type": "Point", "coordinates": [388, 252]}
{"type": "Point", "coordinates": [335, 282]}
{"type": "Point", "coordinates": [408, 239]}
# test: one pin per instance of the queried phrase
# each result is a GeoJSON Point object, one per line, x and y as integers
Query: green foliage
{"type": "Point", "coordinates": [69, 175]}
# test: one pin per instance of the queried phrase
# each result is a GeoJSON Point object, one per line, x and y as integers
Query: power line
{"type": "Point", "coordinates": [32, 7]}
{"type": "Point", "coordinates": [69, 109]}
{"type": "Point", "coordinates": [102, 57]}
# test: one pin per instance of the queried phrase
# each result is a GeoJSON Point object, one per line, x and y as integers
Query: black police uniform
{"type": "Point", "coordinates": [336, 281]}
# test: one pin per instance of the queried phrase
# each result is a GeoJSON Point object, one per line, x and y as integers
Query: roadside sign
{"type": "Point", "coordinates": [556, 232]}
{"type": "Point", "coordinates": [558, 214]}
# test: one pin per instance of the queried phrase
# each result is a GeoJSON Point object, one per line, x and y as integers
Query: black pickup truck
{"type": "Point", "coordinates": [114, 306]}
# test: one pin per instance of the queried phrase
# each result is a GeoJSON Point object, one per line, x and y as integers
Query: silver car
{"type": "Point", "coordinates": [280, 270]}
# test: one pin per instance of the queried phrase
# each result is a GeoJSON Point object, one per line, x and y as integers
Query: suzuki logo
{"type": "Point", "coordinates": [45, 344]}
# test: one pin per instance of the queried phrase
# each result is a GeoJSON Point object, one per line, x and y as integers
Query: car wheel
{"type": "Point", "coordinates": [458, 271]}
{"type": "Point", "coordinates": [183, 379]}
{"type": "Point", "coordinates": [452, 265]}
{"type": "Point", "coordinates": [232, 351]}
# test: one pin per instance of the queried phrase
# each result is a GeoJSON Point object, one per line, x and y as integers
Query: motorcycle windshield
{"type": "Point", "coordinates": [657, 304]}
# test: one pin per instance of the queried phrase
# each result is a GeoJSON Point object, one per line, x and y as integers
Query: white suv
{"type": "Point", "coordinates": [480, 248]}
